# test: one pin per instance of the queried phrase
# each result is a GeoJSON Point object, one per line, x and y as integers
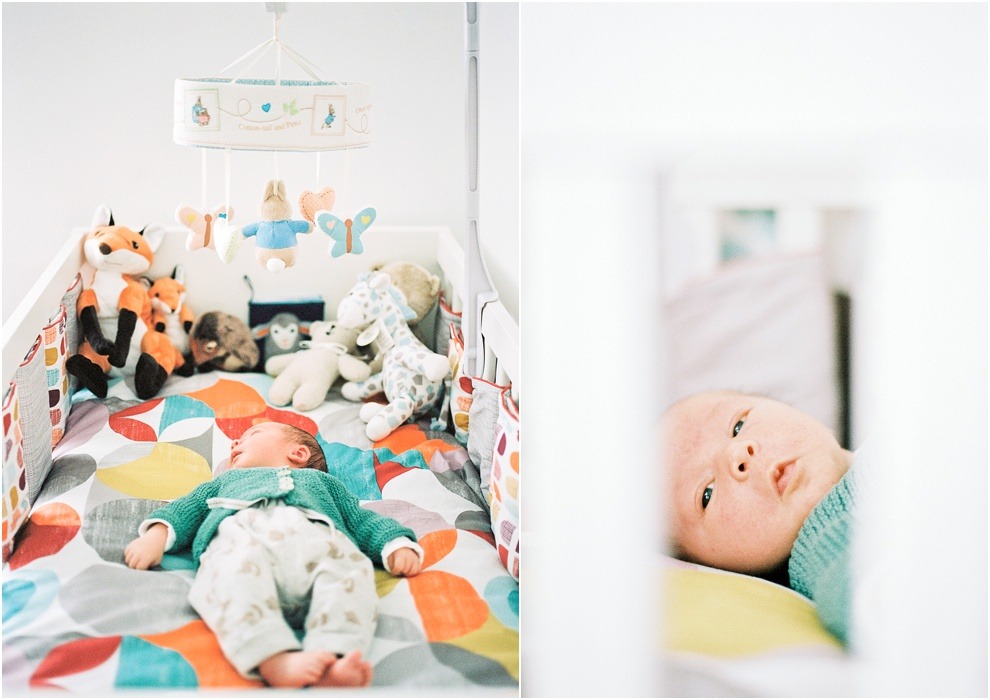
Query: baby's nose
{"type": "Point", "coordinates": [741, 458]}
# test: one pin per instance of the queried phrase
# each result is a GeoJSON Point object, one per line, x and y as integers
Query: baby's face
{"type": "Point", "coordinates": [263, 445]}
{"type": "Point", "coordinates": [744, 473]}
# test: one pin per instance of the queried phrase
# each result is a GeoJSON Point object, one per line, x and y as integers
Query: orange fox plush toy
{"type": "Point", "coordinates": [169, 312]}
{"type": "Point", "coordinates": [116, 305]}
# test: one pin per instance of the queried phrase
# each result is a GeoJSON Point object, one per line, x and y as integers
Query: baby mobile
{"type": "Point", "coordinates": [240, 114]}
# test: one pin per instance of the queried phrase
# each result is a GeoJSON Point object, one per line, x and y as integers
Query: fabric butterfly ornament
{"type": "Point", "coordinates": [204, 225]}
{"type": "Point", "coordinates": [346, 233]}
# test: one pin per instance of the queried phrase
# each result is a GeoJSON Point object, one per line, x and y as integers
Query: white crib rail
{"type": "Point", "coordinates": [500, 346]}
{"type": "Point", "coordinates": [480, 290]}
{"type": "Point", "coordinates": [39, 304]}
{"type": "Point", "coordinates": [498, 333]}
{"type": "Point", "coordinates": [450, 258]}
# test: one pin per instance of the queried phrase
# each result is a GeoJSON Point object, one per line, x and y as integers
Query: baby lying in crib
{"type": "Point", "coordinates": [756, 483]}
{"type": "Point", "coordinates": [280, 542]}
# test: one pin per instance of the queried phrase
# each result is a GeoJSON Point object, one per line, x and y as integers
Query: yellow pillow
{"type": "Point", "coordinates": [718, 613]}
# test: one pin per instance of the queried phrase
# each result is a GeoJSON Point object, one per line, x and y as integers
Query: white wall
{"type": "Point", "coordinates": [87, 117]}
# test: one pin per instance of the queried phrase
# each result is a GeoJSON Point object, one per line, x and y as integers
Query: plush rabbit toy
{"type": "Point", "coordinates": [275, 234]}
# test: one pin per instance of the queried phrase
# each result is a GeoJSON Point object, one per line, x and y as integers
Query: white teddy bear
{"type": "Point", "coordinates": [304, 378]}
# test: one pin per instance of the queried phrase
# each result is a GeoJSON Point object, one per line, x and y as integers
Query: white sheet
{"type": "Point", "coordinates": [761, 325]}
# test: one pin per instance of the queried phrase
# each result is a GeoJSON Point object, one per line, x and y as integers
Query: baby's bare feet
{"type": "Point", "coordinates": [295, 669]}
{"type": "Point", "coordinates": [352, 671]}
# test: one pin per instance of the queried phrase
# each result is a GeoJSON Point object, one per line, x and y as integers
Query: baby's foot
{"type": "Point", "coordinates": [295, 669]}
{"type": "Point", "coordinates": [352, 671]}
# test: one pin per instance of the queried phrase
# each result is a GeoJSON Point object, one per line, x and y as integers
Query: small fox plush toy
{"type": "Point", "coordinates": [116, 305]}
{"type": "Point", "coordinates": [169, 312]}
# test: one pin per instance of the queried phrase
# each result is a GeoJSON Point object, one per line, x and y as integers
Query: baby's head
{"type": "Point", "coordinates": [743, 473]}
{"type": "Point", "coordinates": [272, 444]}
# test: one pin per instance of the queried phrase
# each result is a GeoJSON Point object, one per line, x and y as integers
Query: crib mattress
{"type": "Point", "coordinates": [76, 618]}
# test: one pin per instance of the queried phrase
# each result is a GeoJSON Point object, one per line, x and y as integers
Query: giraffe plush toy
{"type": "Point", "coordinates": [411, 377]}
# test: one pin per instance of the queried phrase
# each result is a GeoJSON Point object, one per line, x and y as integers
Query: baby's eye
{"type": "Point", "coordinates": [706, 496]}
{"type": "Point", "coordinates": [737, 427]}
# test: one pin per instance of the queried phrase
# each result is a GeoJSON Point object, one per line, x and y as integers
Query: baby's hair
{"type": "Point", "coordinates": [317, 460]}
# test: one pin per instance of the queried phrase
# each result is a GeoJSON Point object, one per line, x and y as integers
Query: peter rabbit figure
{"type": "Point", "coordinates": [275, 234]}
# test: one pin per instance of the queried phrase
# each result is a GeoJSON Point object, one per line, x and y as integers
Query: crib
{"type": "Point", "coordinates": [745, 247]}
{"type": "Point", "coordinates": [848, 254]}
{"type": "Point", "coordinates": [788, 248]}
{"type": "Point", "coordinates": [69, 544]}
{"type": "Point", "coordinates": [81, 472]}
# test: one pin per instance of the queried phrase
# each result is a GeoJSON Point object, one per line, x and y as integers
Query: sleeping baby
{"type": "Point", "coordinates": [755, 483]}
{"type": "Point", "coordinates": [282, 544]}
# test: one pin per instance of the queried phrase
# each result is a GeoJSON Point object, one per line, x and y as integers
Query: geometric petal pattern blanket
{"type": "Point", "coordinates": [76, 619]}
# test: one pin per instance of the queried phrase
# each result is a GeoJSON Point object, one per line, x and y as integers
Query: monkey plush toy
{"type": "Point", "coordinates": [282, 335]}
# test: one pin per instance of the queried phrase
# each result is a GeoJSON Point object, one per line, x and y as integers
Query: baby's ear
{"type": "Point", "coordinates": [299, 455]}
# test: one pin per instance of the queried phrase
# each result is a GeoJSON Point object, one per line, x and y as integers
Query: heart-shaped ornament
{"type": "Point", "coordinates": [227, 239]}
{"type": "Point", "coordinates": [265, 107]}
{"type": "Point", "coordinates": [312, 202]}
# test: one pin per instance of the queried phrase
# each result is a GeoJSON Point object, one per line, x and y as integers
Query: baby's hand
{"type": "Point", "coordinates": [146, 551]}
{"type": "Point", "coordinates": [404, 562]}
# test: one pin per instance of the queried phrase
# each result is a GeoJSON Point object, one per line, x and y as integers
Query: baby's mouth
{"type": "Point", "coordinates": [782, 475]}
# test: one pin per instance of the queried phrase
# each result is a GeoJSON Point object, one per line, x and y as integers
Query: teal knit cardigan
{"type": "Point", "coordinates": [196, 516]}
{"type": "Point", "coordinates": [820, 560]}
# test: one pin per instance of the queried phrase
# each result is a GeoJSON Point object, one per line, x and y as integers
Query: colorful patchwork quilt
{"type": "Point", "coordinates": [76, 619]}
